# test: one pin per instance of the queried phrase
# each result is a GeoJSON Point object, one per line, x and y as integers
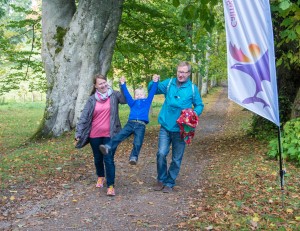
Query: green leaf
{"type": "Point", "coordinates": [284, 5]}
{"type": "Point", "coordinates": [190, 12]}
{"type": "Point", "coordinates": [286, 22]}
{"type": "Point", "coordinates": [297, 29]}
{"type": "Point", "coordinates": [176, 3]}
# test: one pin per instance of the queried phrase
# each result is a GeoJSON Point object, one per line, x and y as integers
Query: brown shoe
{"type": "Point", "coordinates": [159, 186]}
{"type": "Point", "coordinates": [167, 189]}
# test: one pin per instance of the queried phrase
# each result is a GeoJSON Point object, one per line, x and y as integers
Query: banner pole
{"type": "Point", "coordinates": [281, 170]}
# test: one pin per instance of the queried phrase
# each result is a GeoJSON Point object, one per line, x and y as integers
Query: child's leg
{"type": "Point", "coordinates": [121, 136]}
{"type": "Point", "coordinates": [139, 133]}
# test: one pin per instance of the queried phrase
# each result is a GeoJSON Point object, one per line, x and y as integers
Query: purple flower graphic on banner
{"type": "Point", "coordinates": [256, 66]}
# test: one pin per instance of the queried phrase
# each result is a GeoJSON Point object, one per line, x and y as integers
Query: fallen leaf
{"type": "Point", "coordinates": [289, 210]}
{"type": "Point", "coordinates": [254, 224]}
{"type": "Point", "coordinates": [209, 227]}
{"type": "Point", "coordinates": [87, 220]}
{"type": "Point", "coordinates": [181, 225]}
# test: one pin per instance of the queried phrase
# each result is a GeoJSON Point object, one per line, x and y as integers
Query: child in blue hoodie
{"type": "Point", "coordinates": [137, 121]}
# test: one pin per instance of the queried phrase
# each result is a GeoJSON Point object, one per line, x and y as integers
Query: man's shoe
{"type": "Point", "coordinates": [132, 161]}
{"type": "Point", "coordinates": [100, 182]}
{"type": "Point", "coordinates": [159, 186]}
{"type": "Point", "coordinates": [167, 189]}
{"type": "Point", "coordinates": [111, 191]}
{"type": "Point", "coordinates": [104, 149]}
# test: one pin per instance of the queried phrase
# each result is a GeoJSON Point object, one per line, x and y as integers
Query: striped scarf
{"type": "Point", "coordinates": [100, 97]}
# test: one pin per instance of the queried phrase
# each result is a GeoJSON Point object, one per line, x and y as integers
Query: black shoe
{"type": "Point", "coordinates": [159, 186]}
{"type": "Point", "coordinates": [167, 189]}
{"type": "Point", "coordinates": [104, 149]}
{"type": "Point", "coordinates": [132, 161]}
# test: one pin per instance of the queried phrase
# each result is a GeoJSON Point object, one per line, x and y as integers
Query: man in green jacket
{"type": "Point", "coordinates": [180, 93]}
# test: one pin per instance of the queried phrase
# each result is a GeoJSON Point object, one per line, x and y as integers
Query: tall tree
{"type": "Point", "coordinates": [150, 39]}
{"type": "Point", "coordinates": [78, 41]}
{"type": "Point", "coordinates": [20, 47]}
{"type": "Point", "coordinates": [286, 22]}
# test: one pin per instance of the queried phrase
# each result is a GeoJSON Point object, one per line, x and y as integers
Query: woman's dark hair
{"type": "Point", "coordinates": [97, 76]}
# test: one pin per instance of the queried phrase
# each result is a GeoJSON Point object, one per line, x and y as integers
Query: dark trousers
{"type": "Point", "coordinates": [99, 159]}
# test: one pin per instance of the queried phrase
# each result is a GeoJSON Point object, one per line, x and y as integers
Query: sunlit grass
{"type": "Point", "coordinates": [18, 121]}
{"type": "Point", "coordinates": [21, 160]}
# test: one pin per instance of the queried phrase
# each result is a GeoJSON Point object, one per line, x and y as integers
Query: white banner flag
{"type": "Point", "coordinates": [250, 57]}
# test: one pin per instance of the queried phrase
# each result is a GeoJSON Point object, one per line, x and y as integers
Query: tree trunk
{"type": "Point", "coordinates": [77, 43]}
{"type": "Point", "coordinates": [213, 81]}
{"type": "Point", "coordinates": [296, 106]}
{"type": "Point", "coordinates": [194, 74]}
{"type": "Point", "coordinates": [199, 79]}
{"type": "Point", "coordinates": [213, 78]}
{"type": "Point", "coordinates": [204, 89]}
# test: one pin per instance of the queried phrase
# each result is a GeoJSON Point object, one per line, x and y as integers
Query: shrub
{"type": "Point", "coordinates": [290, 141]}
{"type": "Point", "coordinates": [262, 129]}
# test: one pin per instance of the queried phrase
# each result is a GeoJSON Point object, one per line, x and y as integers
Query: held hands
{"type": "Point", "coordinates": [122, 80]}
{"type": "Point", "coordinates": [155, 78]}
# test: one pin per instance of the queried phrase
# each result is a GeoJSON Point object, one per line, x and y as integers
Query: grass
{"type": "Point", "coordinates": [18, 121]}
{"type": "Point", "coordinates": [21, 161]}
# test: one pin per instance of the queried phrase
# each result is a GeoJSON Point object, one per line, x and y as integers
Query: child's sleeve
{"type": "Point", "coordinates": [152, 91]}
{"type": "Point", "coordinates": [127, 95]}
{"type": "Point", "coordinates": [161, 86]}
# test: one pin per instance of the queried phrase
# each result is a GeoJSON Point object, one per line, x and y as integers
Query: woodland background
{"type": "Point", "coordinates": [49, 51]}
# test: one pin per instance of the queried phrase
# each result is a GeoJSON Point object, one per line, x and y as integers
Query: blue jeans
{"type": "Point", "coordinates": [164, 174]}
{"type": "Point", "coordinates": [99, 158]}
{"type": "Point", "coordinates": [130, 128]}
{"type": "Point", "coordinates": [135, 128]}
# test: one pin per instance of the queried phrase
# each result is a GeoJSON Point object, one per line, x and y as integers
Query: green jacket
{"type": "Point", "coordinates": [177, 99]}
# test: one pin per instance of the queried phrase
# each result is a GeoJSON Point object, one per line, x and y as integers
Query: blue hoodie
{"type": "Point", "coordinates": [139, 108]}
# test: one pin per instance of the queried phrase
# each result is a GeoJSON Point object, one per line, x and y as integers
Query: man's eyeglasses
{"type": "Point", "coordinates": [182, 72]}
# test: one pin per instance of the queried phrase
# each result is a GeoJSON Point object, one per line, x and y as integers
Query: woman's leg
{"type": "Point", "coordinates": [109, 162]}
{"type": "Point", "coordinates": [98, 157]}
